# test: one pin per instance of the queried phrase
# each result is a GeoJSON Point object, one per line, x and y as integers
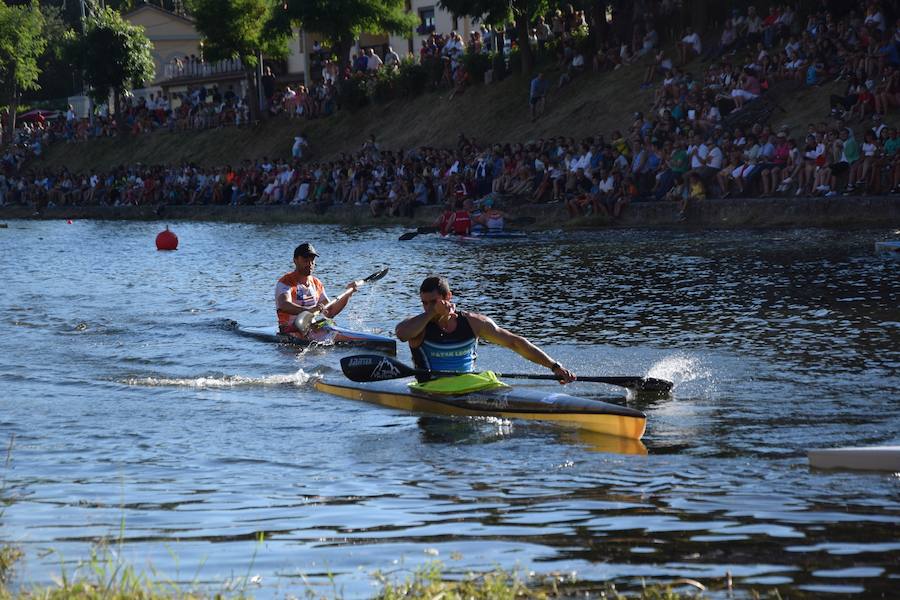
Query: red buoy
{"type": "Point", "coordinates": [166, 240]}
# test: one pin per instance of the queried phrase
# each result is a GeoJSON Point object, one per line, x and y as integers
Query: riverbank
{"type": "Point", "coordinates": [731, 213]}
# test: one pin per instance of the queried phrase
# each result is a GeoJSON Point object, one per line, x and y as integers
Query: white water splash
{"type": "Point", "coordinates": [679, 369]}
{"type": "Point", "coordinates": [222, 381]}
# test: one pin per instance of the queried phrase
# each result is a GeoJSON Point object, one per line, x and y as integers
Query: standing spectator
{"type": "Point", "coordinates": [268, 86]}
{"type": "Point", "coordinates": [538, 91]}
{"type": "Point", "coordinates": [300, 143]}
{"type": "Point", "coordinates": [391, 59]}
{"type": "Point", "coordinates": [373, 61]}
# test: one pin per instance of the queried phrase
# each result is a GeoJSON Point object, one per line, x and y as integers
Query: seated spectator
{"type": "Point", "coordinates": [748, 88]}
{"type": "Point", "coordinates": [662, 64]}
{"type": "Point", "coordinates": [696, 191]}
{"type": "Point", "coordinates": [727, 42]}
{"type": "Point", "coordinates": [865, 102]}
{"type": "Point", "coordinates": [814, 73]}
{"type": "Point", "coordinates": [690, 46]}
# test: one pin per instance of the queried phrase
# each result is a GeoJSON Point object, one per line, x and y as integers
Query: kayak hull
{"type": "Point", "coordinates": [327, 335]}
{"type": "Point", "coordinates": [506, 402]}
{"type": "Point", "coordinates": [873, 458]}
{"type": "Point", "coordinates": [477, 235]}
{"type": "Point", "coordinates": [889, 249]}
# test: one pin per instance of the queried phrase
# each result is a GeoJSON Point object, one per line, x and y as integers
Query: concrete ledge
{"type": "Point", "coordinates": [837, 211]}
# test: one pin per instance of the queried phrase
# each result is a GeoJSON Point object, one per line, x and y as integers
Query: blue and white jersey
{"type": "Point", "coordinates": [442, 351]}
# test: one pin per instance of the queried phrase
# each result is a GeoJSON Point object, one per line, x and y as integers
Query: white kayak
{"type": "Point", "coordinates": [872, 458]}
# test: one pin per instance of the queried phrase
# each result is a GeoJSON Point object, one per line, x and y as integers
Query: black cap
{"type": "Point", "coordinates": [305, 249]}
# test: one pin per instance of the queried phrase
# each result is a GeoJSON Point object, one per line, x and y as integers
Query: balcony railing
{"type": "Point", "coordinates": [201, 69]}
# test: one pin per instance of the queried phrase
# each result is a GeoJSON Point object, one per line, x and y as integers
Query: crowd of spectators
{"type": "Point", "coordinates": [689, 143]}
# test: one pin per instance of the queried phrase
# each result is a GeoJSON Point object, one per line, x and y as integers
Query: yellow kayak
{"type": "Point", "coordinates": [506, 402]}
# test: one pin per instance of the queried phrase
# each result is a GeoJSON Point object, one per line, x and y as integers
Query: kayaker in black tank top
{"type": "Point", "coordinates": [440, 331]}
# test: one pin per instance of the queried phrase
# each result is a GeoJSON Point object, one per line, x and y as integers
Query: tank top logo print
{"type": "Point", "coordinates": [306, 296]}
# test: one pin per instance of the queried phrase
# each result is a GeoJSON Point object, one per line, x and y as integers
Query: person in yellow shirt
{"type": "Point", "coordinates": [696, 191]}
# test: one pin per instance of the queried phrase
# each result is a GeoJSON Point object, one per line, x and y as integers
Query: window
{"type": "Point", "coordinates": [426, 16]}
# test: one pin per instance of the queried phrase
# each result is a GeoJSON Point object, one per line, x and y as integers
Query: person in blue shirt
{"type": "Point", "coordinates": [538, 92]}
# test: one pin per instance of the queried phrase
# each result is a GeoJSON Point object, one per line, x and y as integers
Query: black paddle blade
{"type": "Point", "coordinates": [638, 384]}
{"type": "Point", "coordinates": [653, 385]}
{"type": "Point", "coordinates": [408, 235]}
{"type": "Point", "coordinates": [376, 276]}
{"type": "Point", "coordinates": [373, 367]}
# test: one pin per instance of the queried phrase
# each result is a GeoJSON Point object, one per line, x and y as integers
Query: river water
{"type": "Point", "coordinates": [131, 411]}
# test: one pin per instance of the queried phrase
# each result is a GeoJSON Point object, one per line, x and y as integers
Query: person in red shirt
{"type": "Point", "coordinates": [298, 292]}
{"type": "Point", "coordinates": [460, 221]}
{"type": "Point", "coordinates": [442, 223]}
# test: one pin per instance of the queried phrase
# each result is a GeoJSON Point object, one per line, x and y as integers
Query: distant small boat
{"type": "Point", "coordinates": [890, 249]}
{"type": "Point", "coordinates": [873, 458]}
{"type": "Point", "coordinates": [485, 234]}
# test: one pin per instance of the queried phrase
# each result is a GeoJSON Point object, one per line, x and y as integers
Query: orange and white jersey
{"type": "Point", "coordinates": [307, 295]}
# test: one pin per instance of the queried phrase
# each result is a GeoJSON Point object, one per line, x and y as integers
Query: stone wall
{"type": "Point", "coordinates": [837, 211]}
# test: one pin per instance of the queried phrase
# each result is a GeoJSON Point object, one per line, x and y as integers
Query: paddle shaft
{"type": "Point", "coordinates": [305, 321]}
{"type": "Point", "coordinates": [378, 368]}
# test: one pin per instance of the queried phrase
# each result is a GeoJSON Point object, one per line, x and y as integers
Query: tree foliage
{"type": "Point", "coordinates": [21, 45]}
{"type": "Point", "coordinates": [238, 29]}
{"type": "Point", "coordinates": [61, 63]}
{"type": "Point", "coordinates": [117, 55]}
{"type": "Point", "coordinates": [491, 12]}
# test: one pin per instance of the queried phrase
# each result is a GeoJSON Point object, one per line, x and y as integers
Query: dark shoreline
{"type": "Point", "coordinates": [731, 213]}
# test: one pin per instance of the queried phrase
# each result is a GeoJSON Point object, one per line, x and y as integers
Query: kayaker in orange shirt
{"type": "Point", "coordinates": [298, 292]}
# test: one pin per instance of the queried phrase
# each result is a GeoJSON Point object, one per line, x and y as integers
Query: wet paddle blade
{"type": "Point", "coordinates": [419, 230]}
{"type": "Point", "coordinates": [640, 384]}
{"type": "Point", "coordinates": [372, 367]}
{"type": "Point", "coordinates": [376, 276]}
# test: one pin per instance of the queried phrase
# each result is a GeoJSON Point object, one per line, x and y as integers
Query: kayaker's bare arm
{"type": "Point", "coordinates": [333, 308]}
{"type": "Point", "coordinates": [412, 330]}
{"type": "Point", "coordinates": [284, 304]}
{"type": "Point", "coordinates": [485, 328]}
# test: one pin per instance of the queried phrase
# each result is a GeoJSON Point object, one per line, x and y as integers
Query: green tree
{"type": "Point", "coordinates": [117, 56]}
{"type": "Point", "coordinates": [21, 45]}
{"type": "Point", "coordinates": [240, 29]}
{"type": "Point", "coordinates": [342, 21]}
{"type": "Point", "coordinates": [60, 65]}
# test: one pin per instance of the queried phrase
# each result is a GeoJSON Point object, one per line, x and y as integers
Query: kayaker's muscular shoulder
{"type": "Point", "coordinates": [481, 325]}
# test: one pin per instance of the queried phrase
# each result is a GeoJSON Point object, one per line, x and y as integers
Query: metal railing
{"type": "Point", "coordinates": [177, 69]}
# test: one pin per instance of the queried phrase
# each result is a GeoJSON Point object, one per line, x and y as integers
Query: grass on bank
{"type": "Point", "coordinates": [106, 577]}
{"type": "Point", "coordinates": [590, 104]}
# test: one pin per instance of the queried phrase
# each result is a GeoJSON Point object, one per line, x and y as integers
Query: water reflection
{"type": "Point", "coordinates": [487, 430]}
